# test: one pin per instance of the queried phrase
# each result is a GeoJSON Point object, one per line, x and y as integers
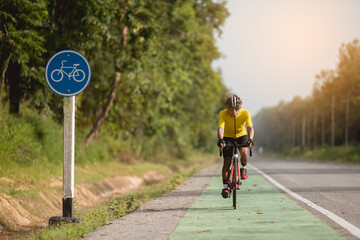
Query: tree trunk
{"type": "Point", "coordinates": [303, 125]}
{"type": "Point", "coordinates": [315, 127]}
{"type": "Point", "coordinates": [104, 111]}
{"type": "Point", "coordinates": [59, 14]}
{"type": "Point", "coordinates": [5, 56]}
{"type": "Point", "coordinates": [298, 137]}
{"type": "Point", "coordinates": [347, 120]}
{"type": "Point", "coordinates": [308, 132]}
{"type": "Point", "coordinates": [4, 60]}
{"type": "Point", "coordinates": [333, 121]}
{"type": "Point", "coordinates": [13, 77]}
{"type": "Point", "coordinates": [293, 131]}
{"type": "Point", "coordinates": [323, 128]}
{"type": "Point", "coordinates": [111, 96]}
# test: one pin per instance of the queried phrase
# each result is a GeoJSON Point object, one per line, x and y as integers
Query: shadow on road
{"type": "Point", "coordinates": [151, 210]}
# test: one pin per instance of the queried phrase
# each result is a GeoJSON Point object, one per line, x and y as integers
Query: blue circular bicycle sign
{"type": "Point", "coordinates": [67, 73]}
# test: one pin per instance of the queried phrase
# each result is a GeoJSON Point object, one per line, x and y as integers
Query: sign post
{"type": "Point", "coordinates": [68, 73]}
{"type": "Point", "coordinates": [69, 156]}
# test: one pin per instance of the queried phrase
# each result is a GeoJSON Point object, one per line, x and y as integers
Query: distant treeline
{"type": "Point", "coordinates": [330, 117]}
{"type": "Point", "coordinates": [150, 59]}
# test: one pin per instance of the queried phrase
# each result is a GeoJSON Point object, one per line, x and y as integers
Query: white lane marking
{"type": "Point", "coordinates": [342, 222]}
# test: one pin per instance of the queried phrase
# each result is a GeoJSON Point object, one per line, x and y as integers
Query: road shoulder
{"type": "Point", "coordinates": [158, 218]}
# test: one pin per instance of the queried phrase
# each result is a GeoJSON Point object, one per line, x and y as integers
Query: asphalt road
{"type": "Point", "coordinates": [195, 210]}
{"type": "Point", "coordinates": [333, 186]}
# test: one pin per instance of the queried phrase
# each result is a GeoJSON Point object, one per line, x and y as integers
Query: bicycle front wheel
{"type": "Point", "coordinates": [234, 183]}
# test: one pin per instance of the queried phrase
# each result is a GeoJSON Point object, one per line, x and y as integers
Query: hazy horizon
{"type": "Point", "coordinates": [273, 49]}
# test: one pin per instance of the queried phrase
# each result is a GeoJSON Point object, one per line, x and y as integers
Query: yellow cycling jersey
{"type": "Point", "coordinates": [227, 122]}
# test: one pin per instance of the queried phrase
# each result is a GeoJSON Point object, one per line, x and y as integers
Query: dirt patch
{"type": "Point", "coordinates": [88, 194]}
{"type": "Point", "coordinates": [7, 182]}
{"type": "Point", "coordinates": [153, 176]}
{"type": "Point", "coordinates": [20, 215]}
{"type": "Point", "coordinates": [51, 200]}
{"type": "Point", "coordinates": [13, 214]}
{"type": "Point", "coordinates": [55, 183]}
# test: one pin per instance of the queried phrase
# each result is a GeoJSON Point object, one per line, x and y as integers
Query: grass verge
{"type": "Point", "coordinates": [115, 208]}
{"type": "Point", "coordinates": [31, 164]}
{"type": "Point", "coordinates": [341, 154]}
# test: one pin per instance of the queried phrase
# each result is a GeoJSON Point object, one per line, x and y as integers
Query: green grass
{"type": "Point", "coordinates": [31, 153]}
{"type": "Point", "coordinates": [350, 154]}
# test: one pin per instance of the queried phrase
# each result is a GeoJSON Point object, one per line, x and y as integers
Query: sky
{"type": "Point", "coordinates": [272, 49]}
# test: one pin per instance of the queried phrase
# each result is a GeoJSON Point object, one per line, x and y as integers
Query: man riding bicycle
{"type": "Point", "coordinates": [229, 119]}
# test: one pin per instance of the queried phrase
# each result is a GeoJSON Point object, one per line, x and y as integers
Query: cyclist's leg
{"type": "Point", "coordinates": [225, 176]}
{"type": "Point", "coordinates": [244, 161]}
{"type": "Point", "coordinates": [244, 157]}
{"type": "Point", "coordinates": [225, 169]}
{"type": "Point", "coordinates": [227, 152]}
{"type": "Point", "coordinates": [243, 151]}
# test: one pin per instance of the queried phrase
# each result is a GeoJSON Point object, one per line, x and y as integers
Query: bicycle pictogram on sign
{"type": "Point", "coordinates": [67, 73]}
{"type": "Point", "coordinates": [77, 74]}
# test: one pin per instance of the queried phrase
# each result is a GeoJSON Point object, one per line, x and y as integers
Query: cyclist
{"type": "Point", "coordinates": [226, 133]}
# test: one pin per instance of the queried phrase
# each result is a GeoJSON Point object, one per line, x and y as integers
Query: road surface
{"type": "Point", "coordinates": [195, 209]}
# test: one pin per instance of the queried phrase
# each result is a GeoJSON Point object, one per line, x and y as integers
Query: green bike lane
{"type": "Point", "coordinates": [262, 213]}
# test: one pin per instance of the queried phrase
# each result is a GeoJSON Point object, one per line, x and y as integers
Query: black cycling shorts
{"type": "Point", "coordinates": [228, 151]}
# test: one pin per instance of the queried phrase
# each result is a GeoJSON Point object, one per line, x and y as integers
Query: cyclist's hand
{"type": "Point", "coordinates": [250, 143]}
{"type": "Point", "coordinates": [221, 143]}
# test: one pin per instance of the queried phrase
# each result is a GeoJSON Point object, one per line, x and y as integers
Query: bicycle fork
{"type": "Point", "coordinates": [238, 182]}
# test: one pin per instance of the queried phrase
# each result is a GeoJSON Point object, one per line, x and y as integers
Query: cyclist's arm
{"type": "Point", "coordinates": [221, 136]}
{"type": "Point", "coordinates": [250, 131]}
{"type": "Point", "coordinates": [249, 126]}
{"type": "Point", "coordinates": [221, 127]}
{"type": "Point", "coordinates": [220, 133]}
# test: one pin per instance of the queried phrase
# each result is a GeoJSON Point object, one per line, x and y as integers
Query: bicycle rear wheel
{"type": "Point", "coordinates": [234, 180]}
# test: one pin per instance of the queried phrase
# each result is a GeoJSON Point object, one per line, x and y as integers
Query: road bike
{"type": "Point", "coordinates": [234, 178]}
{"type": "Point", "coordinates": [77, 74]}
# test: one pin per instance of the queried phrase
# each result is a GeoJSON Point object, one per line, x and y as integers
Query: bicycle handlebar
{"type": "Point", "coordinates": [229, 144]}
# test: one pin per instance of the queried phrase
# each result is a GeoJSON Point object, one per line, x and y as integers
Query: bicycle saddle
{"type": "Point", "coordinates": [76, 65]}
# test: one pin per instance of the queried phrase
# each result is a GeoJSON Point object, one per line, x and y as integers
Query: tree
{"type": "Point", "coordinates": [150, 61]}
{"type": "Point", "coordinates": [22, 45]}
{"type": "Point", "coordinates": [334, 102]}
{"type": "Point", "coordinates": [348, 72]}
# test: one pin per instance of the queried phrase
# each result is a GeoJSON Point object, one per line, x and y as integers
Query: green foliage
{"type": "Point", "coordinates": [349, 154]}
{"type": "Point", "coordinates": [130, 202]}
{"type": "Point", "coordinates": [29, 140]}
{"type": "Point", "coordinates": [34, 144]}
{"type": "Point", "coordinates": [22, 21]}
{"type": "Point", "coordinates": [168, 96]}
{"type": "Point", "coordinates": [22, 41]}
{"type": "Point", "coordinates": [176, 179]}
